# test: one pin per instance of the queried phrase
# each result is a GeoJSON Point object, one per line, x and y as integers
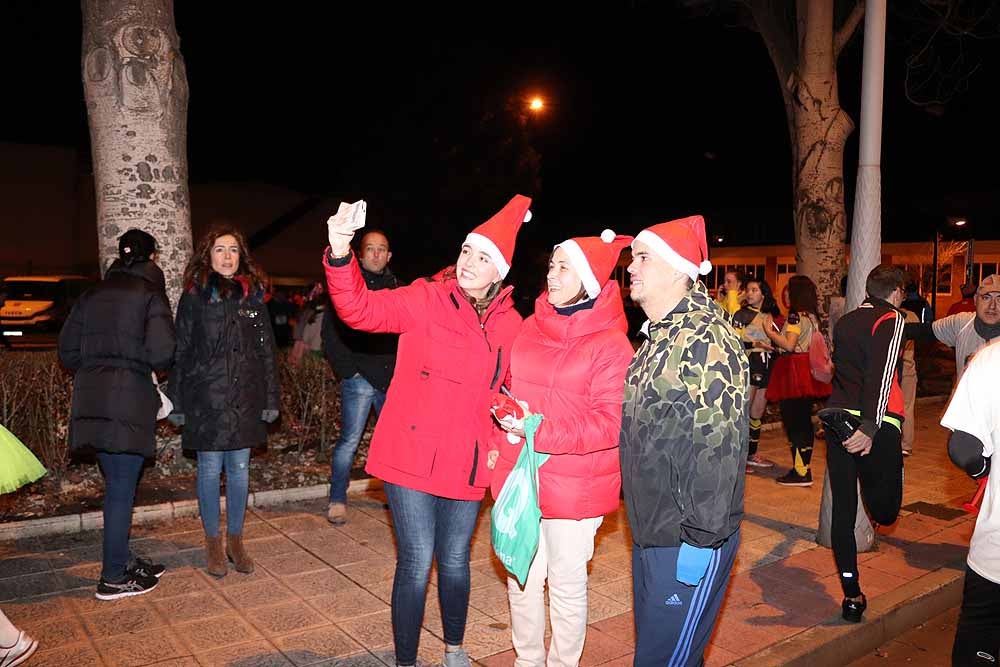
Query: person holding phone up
{"type": "Point", "coordinates": [432, 438]}
{"type": "Point", "coordinates": [569, 364]}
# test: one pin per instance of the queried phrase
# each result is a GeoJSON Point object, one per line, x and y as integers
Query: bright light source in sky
{"type": "Point", "coordinates": [536, 104]}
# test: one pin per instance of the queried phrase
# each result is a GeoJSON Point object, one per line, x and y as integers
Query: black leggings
{"type": "Point", "coordinates": [796, 416]}
{"type": "Point", "coordinates": [977, 638]}
{"type": "Point", "coordinates": [881, 475]}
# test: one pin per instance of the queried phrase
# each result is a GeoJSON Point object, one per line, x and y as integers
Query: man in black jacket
{"type": "Point", "coordinates": [867, 394]}
{"type": "Point", "coordinates": [364, 362]}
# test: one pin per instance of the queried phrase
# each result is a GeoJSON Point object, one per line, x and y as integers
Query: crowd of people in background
{"type": "Point", "coordinates": [671, 423]}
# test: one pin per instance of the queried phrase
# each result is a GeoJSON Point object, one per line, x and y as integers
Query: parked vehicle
{"type": "Point", "coordinates": [38, 304]}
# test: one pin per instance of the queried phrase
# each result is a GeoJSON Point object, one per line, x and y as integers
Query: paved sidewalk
{"type": "Point", "coordinates": [320, 595]}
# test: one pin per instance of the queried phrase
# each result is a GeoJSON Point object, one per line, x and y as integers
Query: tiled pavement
{"type": "Point", "coordinates": [320, 595]}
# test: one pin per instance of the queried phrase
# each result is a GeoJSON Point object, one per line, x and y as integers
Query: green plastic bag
{"type": "Point", "coordinates": [516, 516]}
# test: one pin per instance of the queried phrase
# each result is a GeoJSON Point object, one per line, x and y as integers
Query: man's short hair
{"type": "Point", "coordinates": [373, 230]}
{"type": "Point", "coordinates": [884, 280]}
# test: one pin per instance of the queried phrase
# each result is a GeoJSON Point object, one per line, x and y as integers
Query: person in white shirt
{"type": "Point", "coordinates": [973, 415]}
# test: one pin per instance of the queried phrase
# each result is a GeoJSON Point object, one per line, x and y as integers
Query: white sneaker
{"type": "Point", "coordinates": [22, 649]}
{"type": "Point", "coordinates": [457, 658]}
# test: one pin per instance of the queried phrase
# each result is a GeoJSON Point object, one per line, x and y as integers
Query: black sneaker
{"type": "Point", "coordinates": [146, 567]}
{"type": "Point", "coordinates": [853, 609]}
{"type": "Point", "coordinates": [134, 584]}
{"type": "Point", "coordinates": [795, 479]}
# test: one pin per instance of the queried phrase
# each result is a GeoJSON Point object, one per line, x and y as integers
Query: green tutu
{"type": "Point", "coordinates": [18, 466]}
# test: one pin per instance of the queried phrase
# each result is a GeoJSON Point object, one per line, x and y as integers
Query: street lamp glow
{"type": "Point", "coordinates": [536, 104]}
{"type": "Point", "coordinates": [960, 222]}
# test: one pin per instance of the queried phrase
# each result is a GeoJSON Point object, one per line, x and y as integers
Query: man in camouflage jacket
{"type": "Point", "coordinates": [683, 445]}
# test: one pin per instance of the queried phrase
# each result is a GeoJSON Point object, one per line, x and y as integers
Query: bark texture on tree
{"type": "Point", "coordinates": [137, 98]}
{"type": "Point", "coordinates": [805, 60]}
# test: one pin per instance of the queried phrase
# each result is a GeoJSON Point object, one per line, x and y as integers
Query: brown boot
{"type": "Point", "coordinates": [238, 555]}
{"type": "Point", "coordinates": [216, 556]}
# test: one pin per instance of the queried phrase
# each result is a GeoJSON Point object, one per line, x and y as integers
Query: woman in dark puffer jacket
{"type": "Point", "coordinates": [224, 385]}
{"type": "Point", "coordinates": [117, 334]}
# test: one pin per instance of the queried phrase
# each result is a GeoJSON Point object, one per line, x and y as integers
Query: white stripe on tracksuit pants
{"type": "Point", "coordinates": [674, 621]}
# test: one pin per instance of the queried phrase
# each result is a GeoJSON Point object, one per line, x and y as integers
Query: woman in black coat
{"type": "Point", "coordinates": [224, 385]}
{"type": "Point", "coordinates": [117, 334]}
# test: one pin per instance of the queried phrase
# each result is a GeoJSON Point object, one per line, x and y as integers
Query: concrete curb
{"type": "Point", "coordinates": [75, 523]}
{"type": "Point", "coordinates": [835, 642]}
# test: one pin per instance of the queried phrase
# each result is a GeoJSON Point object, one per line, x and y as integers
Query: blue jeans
{"type": "Point", "coordinates": [121, 477]}
{"type": "Point", "coordinates": [210, 465]}
{"type": "Point", "coordinates": [426, 527]}
{"type": "Point", "coordinates": [357, 397]}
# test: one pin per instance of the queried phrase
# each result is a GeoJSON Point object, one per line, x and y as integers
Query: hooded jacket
{"type": "Point", "coordinates": [571, 369]}
{"type": "Point", "coordinates": [435, 428]}
{"type": "Point", "coordinates": [116, 335]}
{"type": "Point", "coordinates": [684, 432]}
{"type": "Point", "coordinates": [225, 375]}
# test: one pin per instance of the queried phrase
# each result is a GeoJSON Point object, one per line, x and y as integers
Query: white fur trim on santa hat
{"type": "Point", "coordinates": [582, 266]}
{"type": "Point", "coordinates": [608, 235]}
{"type": "Point", "coordinates": [663, 249]}
{"type": "Point", "coordinates": [527, 215]}
{"type": "Point", "coordinates": [484, 244]}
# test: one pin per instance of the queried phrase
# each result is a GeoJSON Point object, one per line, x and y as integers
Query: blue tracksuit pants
{"type": "Point", "coordinates": [673, 621]}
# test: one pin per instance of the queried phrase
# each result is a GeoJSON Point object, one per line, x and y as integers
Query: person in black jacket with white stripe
{"type": "Point", "coordinates": [116, 335]}
{"type": "Point", "coordinates": [867, 356]}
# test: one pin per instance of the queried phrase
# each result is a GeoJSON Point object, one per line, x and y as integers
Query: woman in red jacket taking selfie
{"type": "Point", "coordinates": [431, 440]}
{"type": "Point", "coordinates": [569, 364]}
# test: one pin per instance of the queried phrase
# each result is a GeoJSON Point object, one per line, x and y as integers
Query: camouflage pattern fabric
{"type": "Point", "coordinates": [684, 432]}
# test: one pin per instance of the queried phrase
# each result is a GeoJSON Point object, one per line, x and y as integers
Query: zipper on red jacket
{"type": "Point", "coordinates": [496, 371]}
{"type": "Point", "coordinates": [475, 464]}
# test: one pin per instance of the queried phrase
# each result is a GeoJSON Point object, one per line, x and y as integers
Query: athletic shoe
{"type": "Point", "coordinates": [22, 649]}
{"type": "Point", "coordinates": [795, 479]}
{"type": "Point", "coordinates": [457, 658]}
{"type": "Point", "coordinates": [134, 584]}
{"type": "Point", "coordinates": [759, 461]}
{"type": "Point", "coordinates": [146, 567]}
{"type": "Point", "coordinates": [853, 609]}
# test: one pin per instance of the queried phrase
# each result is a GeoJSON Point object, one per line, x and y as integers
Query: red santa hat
{"type": "Point", "coordinates": [496, 236]}
{"type": "Point", "coordinates": [595, 257]}
{"type": "Point", "coordinates": [681, 243]}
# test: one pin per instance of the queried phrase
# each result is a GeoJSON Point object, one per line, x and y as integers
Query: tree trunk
{"type": "Point", "coordinates": [819, 130]}
{"type": "Point", "coordinates": [137, 96]}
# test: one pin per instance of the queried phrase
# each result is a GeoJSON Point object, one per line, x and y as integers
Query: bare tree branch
{"type": "Point", "coordinates": [849, 27]}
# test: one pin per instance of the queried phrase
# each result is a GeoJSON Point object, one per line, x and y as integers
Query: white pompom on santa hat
{"type": "Point", "coordinates": [496, 236]}
{"type": "Point", "coordinates": [682, 243]}
{"type": "Point", "coordinates": [594, 258]}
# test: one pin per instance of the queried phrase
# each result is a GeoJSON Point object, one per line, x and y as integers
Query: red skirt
{"type": "Point", "coordinates": [791, 378]}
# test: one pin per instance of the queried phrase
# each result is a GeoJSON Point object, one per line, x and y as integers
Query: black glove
{"type": "Point", "coordinates": [176, 418]}
{"type": "Point", "coordinates": [269, 416]}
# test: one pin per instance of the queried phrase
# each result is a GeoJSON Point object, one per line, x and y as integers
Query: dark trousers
{"type": "Point", "coordinates": [796, 416]}
{"type": "Point", "coordinates": [881, 475]}
{"type": "Point", "coordinates": [977, 640]}
{"type": "Point", "coordinates": [121, 477]}
{"type": "Point", "coordinates": [674, 621]}
{"type": "Point", "coordinates": [429, 527]}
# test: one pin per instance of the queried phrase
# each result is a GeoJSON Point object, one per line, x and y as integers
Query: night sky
{"type": "Point", "coordinates": [652, 115]}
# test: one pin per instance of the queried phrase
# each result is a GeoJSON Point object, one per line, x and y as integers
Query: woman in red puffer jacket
{"type": "Point", "coordinates": [568, 363]}
{"type": "Point", "coordinates": [431, 440]}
